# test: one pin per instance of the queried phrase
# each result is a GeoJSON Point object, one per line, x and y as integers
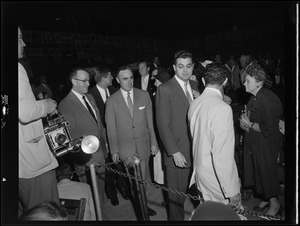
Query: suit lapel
{"type": "Point", "coordinates": [179, 92]}
{"type": "Point", "coordinates": [99, 97]}
{"type": "Point", "coordinates": [135, 102]}
{"type": "Point", "coordinates": [123, 103]}
{"type": "Point", "coordinates": [81, 107]}
{"type": "Point", "coordinates": [94, 105]}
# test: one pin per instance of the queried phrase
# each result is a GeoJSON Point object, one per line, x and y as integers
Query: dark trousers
{"type": "Point", "coordinates": [260, 168]}
{"type": "Point", "coordinates": [36, 190]}
{"type": "Point", "coordinates": [114, 181]}
{"type": "Point", "coordinates": [177, 179]}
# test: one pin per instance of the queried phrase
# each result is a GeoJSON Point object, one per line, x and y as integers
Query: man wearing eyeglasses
{"type": "Point", "coordinates": [172, 101]}
{"type": "Point", "coordinates": [80, 110]}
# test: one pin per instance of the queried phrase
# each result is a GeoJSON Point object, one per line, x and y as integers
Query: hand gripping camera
{"type": "Point", "coordinates": [57, 134]}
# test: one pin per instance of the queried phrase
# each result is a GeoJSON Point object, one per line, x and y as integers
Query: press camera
{"type": "Point", "coordinates": [57, 133]}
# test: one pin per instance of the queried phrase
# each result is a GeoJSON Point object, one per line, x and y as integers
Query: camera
{"type": "Point", "coordinates": [57, 133]}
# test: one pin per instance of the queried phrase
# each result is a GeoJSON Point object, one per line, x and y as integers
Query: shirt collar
{"type": "Point", "coordinates": [215, 90]}
{"type": "Point", "coordinates": [77, 94]}
{"type": "Point", "coordinates": [181, 82]}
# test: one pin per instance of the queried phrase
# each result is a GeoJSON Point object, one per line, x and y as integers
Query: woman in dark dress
{"type": "Point", "coordinates": [263, 140]}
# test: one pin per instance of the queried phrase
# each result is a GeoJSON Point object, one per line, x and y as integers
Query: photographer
{"type": "Point", "coordinates": [37, 178]}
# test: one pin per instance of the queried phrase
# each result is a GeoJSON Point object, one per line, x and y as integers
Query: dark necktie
{"type": "Point", "coordinates": [89, 108]}
{"type": "Point", "coordinates": [187, 93]}
{"type": "Point", "coordinates": [130, 105]}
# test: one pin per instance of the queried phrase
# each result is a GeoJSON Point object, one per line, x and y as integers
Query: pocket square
{"type": "Point", "coordinates": [141, 108]}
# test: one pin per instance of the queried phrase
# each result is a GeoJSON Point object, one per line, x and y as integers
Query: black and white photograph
{"type": "Point", "coordinates": [149, 111]}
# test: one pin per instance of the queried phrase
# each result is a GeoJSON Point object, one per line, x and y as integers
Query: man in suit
{"type": "Point", "coordinates": [211, 125]}
{"type": "Point", "coordinates": [103, 88]}
{"type": "Point", "coordinates": [172, 102]}
{"type": "Point", "coordinates": [43, 90]}
{"type": "Point", "coordinates": [154, 66]}
{"type": "Point", "coordinates": [129, 121]}
{"type": "Point", "coordinates": [101, 91]}
{"type": "Point", "coordinates": [80, 110]}
{"type": "Point", "coordinates": [145, 80]}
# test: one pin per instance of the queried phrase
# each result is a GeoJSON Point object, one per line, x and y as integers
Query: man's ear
{"type": "Point", "coordinates": [117, 80]}
{"type": "Point", "coordinates": [174, 67]}
{"type": "Point", "coordinates": [73, 82]}
{"type": "Point", "coordinates": [203, 81]}
{"type": "Point", "coordinates": [225, 82]}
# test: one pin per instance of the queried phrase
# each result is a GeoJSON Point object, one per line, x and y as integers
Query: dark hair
{"type": "Point", "coordinates": [215, 73]}
{"type": "Point", "coordinates": [122, 68]}
{"type": "Point", "coordinates": [182, 54]}
{"type": "Point", "coordinates": [47, 211]}
{"type": "Point", "coordinates": [146, 62]}
{"type": "Point", "coordinates": [63, 171]}
{"type": "Point", "coordinates": [100, 72]}
{"type": "Point", "coordinates": [74, 71]}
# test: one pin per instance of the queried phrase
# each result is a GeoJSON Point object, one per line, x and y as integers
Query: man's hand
{"type": "Point", "coordinates": [115, 157]}
{"type": "Point", "coordinates": [235, 201]}
{"type": "Point", "coordinates": [51, 106]}
{"type": "Point", "coordinates": [179, 159]}
{"type": "Point", "coordinates": [227, 99]}
{"type": "Point", "coordinates": [154, 149]}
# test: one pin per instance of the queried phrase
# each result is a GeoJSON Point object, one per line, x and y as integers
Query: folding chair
{"type": "Point", "coordinates": [75, 208]}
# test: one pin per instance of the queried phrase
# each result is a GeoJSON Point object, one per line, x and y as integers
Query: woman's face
{"type": "Point", "coordinates": [251, 85]}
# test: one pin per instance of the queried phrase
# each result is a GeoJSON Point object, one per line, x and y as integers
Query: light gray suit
{"type": "Point", "coordinates": [82, 123]}
{"type": "Point", "coordinates": [127, 135]}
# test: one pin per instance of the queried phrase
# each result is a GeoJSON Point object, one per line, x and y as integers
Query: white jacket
{"type": "Point", "coordinates": [35, 156]}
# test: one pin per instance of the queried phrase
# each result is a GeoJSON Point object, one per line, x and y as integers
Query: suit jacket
{"type": "Point", "coordinates": [211, 125]}
{"type": "Point", "coordinates": [82, 123]}
{"type": "Point", "coordinates": [151, 88]}
{"type": "Point", "coordinates": [99, 101]}
{"type": "Point", "coordinates": [127, 135]}
{"type": "Point", "coordinates": [171, 117]}
{"type": "Point", "coordinates": [35, 156]}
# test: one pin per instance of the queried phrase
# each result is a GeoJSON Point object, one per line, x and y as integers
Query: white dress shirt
{"type": "Point", "coordinates": [102, 93]}
{"type": "Point", "coordinates": [189, 89]}
{"type": "Point", "coordinates": [124, 93]}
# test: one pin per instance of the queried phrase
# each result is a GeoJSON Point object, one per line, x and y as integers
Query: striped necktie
{"type": "Point", "coordinates": [187, 93]}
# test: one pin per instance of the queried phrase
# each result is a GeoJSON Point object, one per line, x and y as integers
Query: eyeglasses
{"type": "Point", "coordinates": [84, 81]}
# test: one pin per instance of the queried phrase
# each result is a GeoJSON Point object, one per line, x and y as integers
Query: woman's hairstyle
{"type": "Point", "coordinates": [256, 71]}
{"type": "Point", "coordinates": [47, 211]}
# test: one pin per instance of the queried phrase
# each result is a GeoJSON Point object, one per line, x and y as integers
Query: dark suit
{"type": "Point", "coordinates": [82, 123]}
{"type": "Point", "coordinates": [151, 88]}
{"type": "Point", "coordinates": [99, 101]}
{"type": "Point", "coordinates": [110, 177]}
{"type": "Point", "coordinates": [171, 116]}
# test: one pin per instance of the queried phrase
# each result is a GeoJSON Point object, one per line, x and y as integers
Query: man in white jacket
{"type": "Point", "coordinates": [37, 179]}
{"type": "Point", "coordinates": [211, 125]}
